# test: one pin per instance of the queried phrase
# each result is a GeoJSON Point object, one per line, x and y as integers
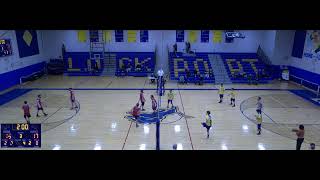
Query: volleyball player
{"type": "Point", "coordinates": [170, 98]}
{"type": "Point", "coordinates": [208, 123]}
{"type": "Point", "coordinates": [233, 98]}
{"type": "Point", "coordinates": [259, 106]}
{"type": "Point", "coordinates": [26, 112]}
{"type": "Point", "coordinates": [154, 104]}
{"type": "Point", "coordinates": [40, 106]}
{"type": "Point", "coordinates": [136, 113]}
{"type": "Point", "coordinates": [142, 100]}
{"type": "Point", "coordinates": [72, 99]}
{"type": "Point", "coordinates": [221, 93]}
{"type": "Point", "coordinates": [300, 136]}
{"type": "Point", "coordinates": [259, 122]}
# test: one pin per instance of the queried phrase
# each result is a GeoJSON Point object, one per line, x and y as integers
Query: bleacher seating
{"type": "Point", "coordinates": [198, 61]}
{"type": "Point", "coordinates": [246, 63]}
{"type": "Point", "coordinates": [80, 64]}
{"type": "Point", "coordinates": [56, 66]}
{"type": "Point", "coordinates": [236, 64]}
{"type": "Point", "coordinates": [145, 59]}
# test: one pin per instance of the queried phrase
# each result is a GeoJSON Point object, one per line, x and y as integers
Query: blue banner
{"type": "Point", "coordinates": [144, 36]}
{"type": "Point", "coordinates": [205, 36]}
{"type": "Point", "coordinates": [27, 43]}
{"type": "Point", "coordinates": [179, 35]}
{"type": "Point", "coordinates": [118, 35]}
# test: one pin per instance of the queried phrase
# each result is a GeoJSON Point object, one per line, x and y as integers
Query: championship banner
{"type": "Point", "coordinates": [132, 36]}
{"type": "Point", "coordinates": [217, 36]}
{"type": "Point", "coordinates": [193, 36]}
{"type": "Point", "coordinates": [82, 35]}
{"type": "Point", "coordinates": [107, 35]}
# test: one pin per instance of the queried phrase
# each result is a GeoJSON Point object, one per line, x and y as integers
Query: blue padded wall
{"type": "Point", "coordinates": [12, 78]}
{"type": "Point", "coordinates": [301, 73]}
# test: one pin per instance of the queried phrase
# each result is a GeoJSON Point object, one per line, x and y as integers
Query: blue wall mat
{"type": "Point", "coordinates": [298, 45]}
{"type": "Point", "coordinates": [307, 95]}
{"type": "Point", "coordinates": [13, 77]}
{"type": "Point", "coordinates": [27, 42]}
{"type": "Point", "coordinates": [11, 95]}
{"type": "Point", "coordinates": [79, 59]}
{"type": "Point", "coordinates": [310, 76]}
{"type": "Point", "coordinates": [276, 71]}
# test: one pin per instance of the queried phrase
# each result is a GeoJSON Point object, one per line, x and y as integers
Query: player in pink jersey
{"type": "Point", "coordinates": [154, 104]}
{"type": "Point", "coordinates": [136, 113]}
{"type": "Point", "coordinates": [72, 99]}
{"type": "Point", "coordinates": [142, 99]}
{"type": "Point", "coordinates": [26, 112]}
{"type": "Point", "coordinates": [40, 106]}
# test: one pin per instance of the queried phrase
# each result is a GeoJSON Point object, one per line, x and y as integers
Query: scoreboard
{"type": "Point", "coordinates": [20, 135]}
{"type": "Point", "coordinates": [5, 47]}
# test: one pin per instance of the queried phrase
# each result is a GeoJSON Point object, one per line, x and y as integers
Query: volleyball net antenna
{"type": "Point", "coordinates": [160, 93]}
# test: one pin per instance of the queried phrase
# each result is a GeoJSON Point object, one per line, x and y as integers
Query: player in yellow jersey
{"type": "Point", "coordinates": [208, 123]}
{"type": "Point", "coordinates": [233, 98]}
{"type": "Point", "coordinates": [221, 93]}
{"type": "Point", "coordinates": [259, 122]}
{"type": "Point", "coordinates": [170, 98]}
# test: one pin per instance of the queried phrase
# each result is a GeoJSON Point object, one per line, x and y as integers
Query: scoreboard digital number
{"type": "Point", "coordinates": [20, 135]}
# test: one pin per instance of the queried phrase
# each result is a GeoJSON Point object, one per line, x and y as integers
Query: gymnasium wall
{"type": "Point", "coordinates": [282, 47]}
{"type": "Point", "coordinates": [267, 42]}
{"type": "Point", "coordinates": [306, 62]}
{"type": "Point", "coordinates": [300, 63]}
{"type": "Point", "coordinates": [13, 62]}
{"type": "Point", "coordinates": [13, 67]}
{"type": "Point", "coordinates": [159, 41]}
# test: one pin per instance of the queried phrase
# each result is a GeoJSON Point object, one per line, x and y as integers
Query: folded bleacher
{"type": "Point", "coordinates": [242, 66]}
{"type": "Point", "coordinates": [145, 59]}
{"type": "Point", "coordinates": [197, 61]}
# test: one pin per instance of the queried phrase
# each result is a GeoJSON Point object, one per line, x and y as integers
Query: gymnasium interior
{"type": "Point", "coordinates": [107, 69]}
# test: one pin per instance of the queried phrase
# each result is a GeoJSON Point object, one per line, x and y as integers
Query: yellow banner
{"type": "Point", "coordinates": [82, 35]}
{"type": "Point", "coordinates": [132, 36]}
{"type": "Point", "coordinates": [193, 36]}
{"type": "Point", "coordinates": [217, 36]}
{"type": "Point", "coordinates": [107, 35]}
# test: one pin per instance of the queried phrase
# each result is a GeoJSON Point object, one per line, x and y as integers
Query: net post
{"type": "Point", "coordinates": [160, 93]}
